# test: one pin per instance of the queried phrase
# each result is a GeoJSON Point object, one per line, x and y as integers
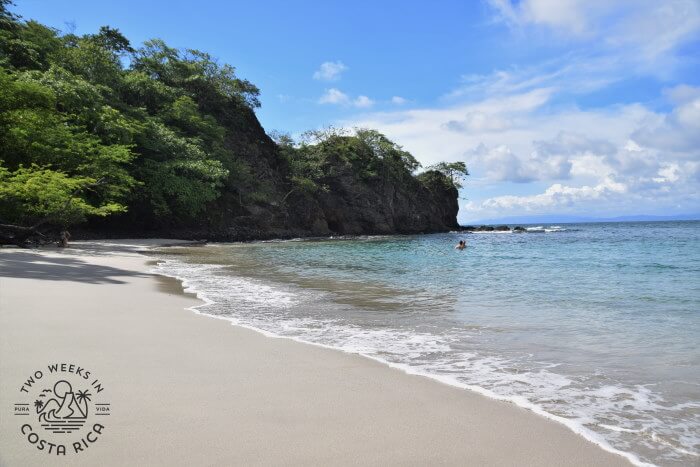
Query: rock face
{"type": "Point", "coordinates": [352, 207]}
{"type": "Point", "coordinates": [351, 204]}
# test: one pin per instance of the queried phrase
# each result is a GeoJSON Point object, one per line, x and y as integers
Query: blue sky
{"type": "Point", "coordinates": [558, 106]}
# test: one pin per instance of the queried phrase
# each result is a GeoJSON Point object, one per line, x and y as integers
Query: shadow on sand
{"type": "Point", "coordinates": [29, 265]}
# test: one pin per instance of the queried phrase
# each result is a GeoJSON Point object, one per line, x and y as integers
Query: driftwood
{"type": "Point", "coordinates": [11, 234]}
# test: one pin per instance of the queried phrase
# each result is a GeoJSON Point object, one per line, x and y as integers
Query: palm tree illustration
{"type": "Point", "coordinates": [83, 397]}
{"type": "Point", "coordinates": [38, 404]}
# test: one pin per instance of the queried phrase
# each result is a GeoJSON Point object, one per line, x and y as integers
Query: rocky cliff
{"type": "Point", "coordinates": [351, 203]}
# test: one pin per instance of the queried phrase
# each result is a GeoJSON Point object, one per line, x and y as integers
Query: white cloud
{"type": "Point", "coordinates": [677, 131]}
{"type": "Point", "coordinates": [570, 16]}
{"type": "Point", "coordinates": [479, 121]}
{"type": "Point", "coordinates": [682, 93]}
{"type": "Point", "coordinates": [556, 197]}
{"type": "Point", "coordinates": [656, 28]}
{"type": "Point", "coordinates": [363, 102]}
{"type": "Point", "coordinates": [669, 173]}
{"type": "Point", "coordinates": [595, 160]}
{"type": "Point", "coordinates": [571, 143]}
{"type": "Point", "coordinates": [334, 96]}
{"type": "Point", "coordinates": [499, 163]}
{"type": "Point", "coordinates": [338, 97]}
{"type": "Point", "coordinates": [330, 71]}
{"type": "Point", "coordinates": [398, 100]}
{"type": "Point", "coordinates": [521, 119]}
{"type": "Point", "coordinates": [643, 31]}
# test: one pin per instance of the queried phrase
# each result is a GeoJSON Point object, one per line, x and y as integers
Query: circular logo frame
{"type": "Point", "coordinates": [62, 409]}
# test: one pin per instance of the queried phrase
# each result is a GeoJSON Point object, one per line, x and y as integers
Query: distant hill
{"type": "Point", "coordinates": [564, 219]}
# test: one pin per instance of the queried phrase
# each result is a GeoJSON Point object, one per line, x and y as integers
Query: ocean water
{"type": "Point", "coordinates": [596, 326]}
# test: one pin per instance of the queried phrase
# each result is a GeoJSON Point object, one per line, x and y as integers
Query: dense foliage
{"type": "Point", "coordinates": [454, 172]}
{"type": "Point", "coordinates": [91, 127]}
{"type": "Point", "coordinates": [327, 154]}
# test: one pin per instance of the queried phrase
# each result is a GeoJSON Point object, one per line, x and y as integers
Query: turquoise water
{"type": "Point", "coordinates": [594, 325]}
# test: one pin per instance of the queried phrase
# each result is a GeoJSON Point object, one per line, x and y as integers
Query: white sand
{"type": "Point", "coordinates": [190, 390]}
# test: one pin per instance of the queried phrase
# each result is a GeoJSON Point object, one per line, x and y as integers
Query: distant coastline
{"type": "Point", "coordinates": [563, 219]}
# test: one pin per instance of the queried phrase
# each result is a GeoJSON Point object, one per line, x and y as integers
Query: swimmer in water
{"type": "Point", "coordinates": [461, 245]}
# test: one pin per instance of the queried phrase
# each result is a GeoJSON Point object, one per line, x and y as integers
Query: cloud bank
{"type": "Point", "coordinates": [521, 129]}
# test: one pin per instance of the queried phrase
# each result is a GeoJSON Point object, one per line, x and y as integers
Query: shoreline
{"type": "Point", "coordinates": [584, 433]}
{"type": "Point", "coordinates": [409, 419]}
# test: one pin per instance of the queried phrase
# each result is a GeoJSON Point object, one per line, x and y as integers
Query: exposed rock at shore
{"type": "Point", "coordinates": [481, 228]}
{"type": "Point", "coordinates": [490, 228]}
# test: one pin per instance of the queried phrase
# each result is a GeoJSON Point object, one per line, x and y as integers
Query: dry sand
{"type": "Point", "coordinates": [186, 389]}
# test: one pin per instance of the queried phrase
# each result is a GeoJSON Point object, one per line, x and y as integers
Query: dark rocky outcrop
{"type": "Point", "coordinates": [481, 228]}
{"type": "Point", "coordinates": [351, 204]}
{"type": "Point", "coordinates": [498, 228]}
{"type": "Point", "coordinates": [352, 207]}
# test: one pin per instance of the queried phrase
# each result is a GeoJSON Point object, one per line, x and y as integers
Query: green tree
{"type": "Point", "coordinates": [33, 197]}
{"type": "Point", "coordinates": [53, 172]}
{"type": "Point", "coordinates": [25, 46]}
{"type": "Point", "coordinates": [456, 172]}
{"type": "Point", "coordinates": [179, 176]}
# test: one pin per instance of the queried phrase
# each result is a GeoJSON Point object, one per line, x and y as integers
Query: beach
{"type": "Point", "coordinates": [187, 389]}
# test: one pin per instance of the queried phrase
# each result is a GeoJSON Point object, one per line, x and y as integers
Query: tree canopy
{"type": "Point", "coordinates": [455, 172]}
{"type": "Point", "coordinates": [72, 113]}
